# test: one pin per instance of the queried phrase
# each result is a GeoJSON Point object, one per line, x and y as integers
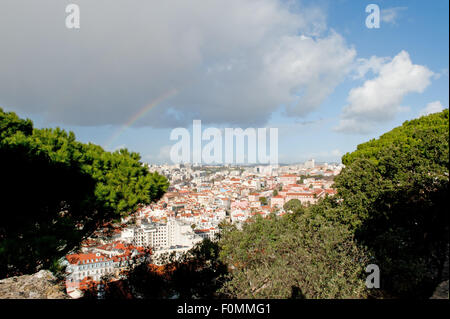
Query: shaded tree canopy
{"type": "Point", "coordinates": [56, 190]}
{"type": "Point", "coordinates": [294, 206]}
{"type": "Point", "coordinates": [394, 194]}
{"type": "Point", "coordinates": [391, 209]}
{"type": "Point", "coordinates": [294, 256]}
{"type": "Point", "coordinates": [263, 200]}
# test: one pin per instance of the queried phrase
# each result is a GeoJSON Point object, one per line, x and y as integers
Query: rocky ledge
{"type": "Point", "coordinates": [41, 285]}
{"type": "Point", "coordinates": [441, 291]}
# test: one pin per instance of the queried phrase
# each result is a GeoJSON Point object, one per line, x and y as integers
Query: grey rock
{"type": "Point", "coordinates": [41, 285]}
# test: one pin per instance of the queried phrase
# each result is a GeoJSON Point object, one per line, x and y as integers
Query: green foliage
{"type": "Point", "coordinates": [56, 190]}
{"type": "Point", "coordinates": [295, 256]}
{"type": "Point", "coordinates": [294, 206]}
{"type": "Point", "coordinates": [263, 201]}
{"type": "Point", "coordinates": [394, 194]}
{"type": "Point", "coordinates": [391, 209]}
{"type": "Point", "coordinates": [10, 123]}
{"type": "Point", "coordinates": [410, 135]}
{"type": "Point", "coordinates": [302, 179]}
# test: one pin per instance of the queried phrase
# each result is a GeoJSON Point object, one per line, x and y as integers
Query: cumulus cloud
{"type": "Point", "coordinates": [379, 100]}
{"type": "Point", "coordinates": [432, 107]}
{"type": "Point", "coordinates": [219, 61]}
{"type": "Point", "coordinates": [363, 66]}
{"type": "Point", "coordinates": [390, 15]}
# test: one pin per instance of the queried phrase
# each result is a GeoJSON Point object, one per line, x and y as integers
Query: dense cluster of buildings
{"type": "Point", "coordinates": [97, 261]}
{"type": "Point", "coordinates": [198, 200]}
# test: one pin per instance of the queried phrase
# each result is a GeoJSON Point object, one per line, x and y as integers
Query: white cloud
{"type": "Point", "coordinates": [301, 73]}
{"type": "Point", "coordinates": [443, 72]}
{"type": "Point", "coordinates": [432, 107]}
{"type": "Point", "coordinates": [390, 15]}
{"type": "Point", "coordinates": [379, 99]}
{"type": "Point", "coordinates": [363, 66]}
{"type": "Point", "coordinates": [163, 156]}
{"type": "Point", "coordinates": [229, 61]}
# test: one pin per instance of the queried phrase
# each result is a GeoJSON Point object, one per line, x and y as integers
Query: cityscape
{"type": "Point", "coordinates": [198, 200]}
{"type": "Point", "coordinates": [224, 158]}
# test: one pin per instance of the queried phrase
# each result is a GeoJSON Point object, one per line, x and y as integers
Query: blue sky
{"type": "Point", "coordinates": [311, 80]}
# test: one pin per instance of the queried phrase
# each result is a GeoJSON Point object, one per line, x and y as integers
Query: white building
{"type": "Point", "coordinates": [163, 235]}
{"type": "Point", "coordinates": [310, 164]}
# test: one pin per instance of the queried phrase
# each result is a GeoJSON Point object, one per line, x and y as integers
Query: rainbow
{"type": "Point", "coordinates": [139, 114]}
